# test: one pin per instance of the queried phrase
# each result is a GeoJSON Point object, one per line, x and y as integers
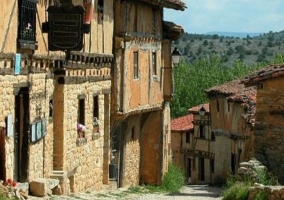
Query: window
{"type": "Point", "coordinates": [81, 111]}
{"type": "Point", "coordinates": [133, 133]}
{"type": "Point", "coordinates": [212, 165]}
{"type": "Point", "coordinates": [96, 107]}
{"type": "Point", "coordinates": [27, 24]}
{"type": "Point", "coordinates": [187, 137]}
{"type": "Point", "coordinates": [213, 136]}
{"type": "Point", "coordinates": [50, 108]}
{"type": "Point", "coordinates": [154, 63]}
{"type": "Point", "coordinates": [202, 131]}
{"type": "Point", "coordinates": [100, 11]}
{"type": "Point", "coordinates": [218, 106]}
{"type": "Point", "coordinates": [229, 106]}
{"type": "Point", "coordinates": [81, 118]}
{"type": "Point", "coordinates": [135, 65]}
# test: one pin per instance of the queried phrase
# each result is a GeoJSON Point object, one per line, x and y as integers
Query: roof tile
{"type": "Point", "coordinates": [263, 74]}
{"type": "Point", "coordinates": [183, 123]}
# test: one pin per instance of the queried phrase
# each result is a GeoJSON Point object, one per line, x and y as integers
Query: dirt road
{"type": "Point", "coordinates": [189, 192]}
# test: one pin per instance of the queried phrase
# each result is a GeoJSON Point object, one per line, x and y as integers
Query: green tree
{"type": "Point", "coordinates": [191, 79]}
{"type": "Point", "coordinates": [205, 42]}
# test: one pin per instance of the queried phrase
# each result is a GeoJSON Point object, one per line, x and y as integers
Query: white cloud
{"type": "Point", "coordinates": [229, 15]}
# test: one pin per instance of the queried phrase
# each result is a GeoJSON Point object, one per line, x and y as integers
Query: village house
{"type": "Point", "coordinates": [142, 88]}
{"type": "Point", "coordinates": [81, 102]}
{"type": "Point", "coordinates": [86, 90]}
{"type": "Point", "coordinates": [181, 133]}
{"type": "Point", "coordinates": [232, 108]}
{"type": "Point", "coordinates": [26, 87]}
{"type": "Point", "coordinates": [192, 144]}
{"type": "Point", "coordinates": [200, 150]}
{"type": "Point", "coordinates": [55, 83]}
{"type": "Point", "coordinates": [269, 127]}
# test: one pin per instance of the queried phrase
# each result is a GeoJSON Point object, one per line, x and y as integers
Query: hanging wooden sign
{"type": "Point", "coordinates": [65, 27]}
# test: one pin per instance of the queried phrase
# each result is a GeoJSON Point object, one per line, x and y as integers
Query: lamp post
{"type": "Point", "coordinates": [176, 57]}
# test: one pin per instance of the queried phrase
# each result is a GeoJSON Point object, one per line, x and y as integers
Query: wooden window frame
{"type": "Point", "coordinates": [202, 131]}
{"type": "Point", "coordinates": [135, 65]}
{"type": "Point", "coordinates": [213, 137]}
{"type": "Point", "coordinates": [96, 107]}
{"type": "Point", "coordinates": [187, 137]}
{"type": "Point", "coordinates": [100, 11]}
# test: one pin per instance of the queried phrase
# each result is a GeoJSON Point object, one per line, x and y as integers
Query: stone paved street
{"type": "Point", "coordinates": [192, 192]}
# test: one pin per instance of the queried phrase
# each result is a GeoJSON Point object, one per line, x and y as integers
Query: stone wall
{"type": "Point", "coordinates": [40, 153]}
{"type": "Point", "coordinates": [84, 163]}
{"type": "Point", "coordinates": [132, 151]}
{"type": "Point", "coordinates": [269, 126]}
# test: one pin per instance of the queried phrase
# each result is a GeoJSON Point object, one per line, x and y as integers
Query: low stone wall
{"type": "Point", "coordinates": [272, 192]}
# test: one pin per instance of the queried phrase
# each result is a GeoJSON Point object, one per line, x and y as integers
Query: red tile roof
{"type": "Point", "coordinates": [268, 72]}
{"type": "Point", "coordinates": [195, 110]}
{"type": "Point", "coordinates": [183, 123]}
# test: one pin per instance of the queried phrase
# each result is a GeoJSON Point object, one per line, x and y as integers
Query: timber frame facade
{"type": "Point", "coordinates": [93, 116]}
{"type": "Point", "coordinates": [142, 89]}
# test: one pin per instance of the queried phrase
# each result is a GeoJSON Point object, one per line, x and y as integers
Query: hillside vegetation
{"type": "Point", "coordinates": [249, 50]}
{"type": "Point", "coordinates": [220, 60]}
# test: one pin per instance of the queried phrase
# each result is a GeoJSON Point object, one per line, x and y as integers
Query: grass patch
{"type": "Point", "coordinates": [237, 188]}
{"type": "Point", "coordinates": [238, 191]}
{"type": "Point", "coordinates": [262, 195]}
{"type": "Point", "coordinates": [265, 177]}
{"type": "Point", "coordinates": [173, 180]}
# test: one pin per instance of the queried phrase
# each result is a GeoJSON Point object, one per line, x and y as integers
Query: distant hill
{"type": "Point", "coordinates": [249, 49]}
{"type": "Point", "coordinates": [233, 34]}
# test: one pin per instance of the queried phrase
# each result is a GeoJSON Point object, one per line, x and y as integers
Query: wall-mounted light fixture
{"type": "Point", "coordinates": [202, 111]}
{"type": "Point", "coordinates": [176, 57]}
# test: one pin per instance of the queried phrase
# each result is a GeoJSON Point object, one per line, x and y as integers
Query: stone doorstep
{"type": "Point", "coordinates": [41, 187]}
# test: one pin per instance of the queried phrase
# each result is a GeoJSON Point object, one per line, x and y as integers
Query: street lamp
{"type": "Point", "coordinates": [176, 56]}
{"type": "Point", "coordinates": [202, 111]}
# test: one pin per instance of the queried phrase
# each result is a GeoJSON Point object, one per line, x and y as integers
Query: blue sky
{"type": "Point", "coordinates": [249, 16]}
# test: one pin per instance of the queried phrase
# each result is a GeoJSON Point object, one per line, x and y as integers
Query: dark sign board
{"type": "Point", "coordinates": [65, 32]}
{"type": "Point", "coordinates": [65, 29]}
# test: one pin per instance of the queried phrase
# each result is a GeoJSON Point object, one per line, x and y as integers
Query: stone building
{"type": "Point", "coordinates": [232, 108]}
{"type": "Point", "coordinates": [26, 87]}
{"type": "Point", "coordinates": [55, 113]}
{"type": "Point", "coordinates": [142, 88]}
{"type": "Point", "coordinates": [268, 130]}
{"type": "Point", "coordinates": [81, 103]}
